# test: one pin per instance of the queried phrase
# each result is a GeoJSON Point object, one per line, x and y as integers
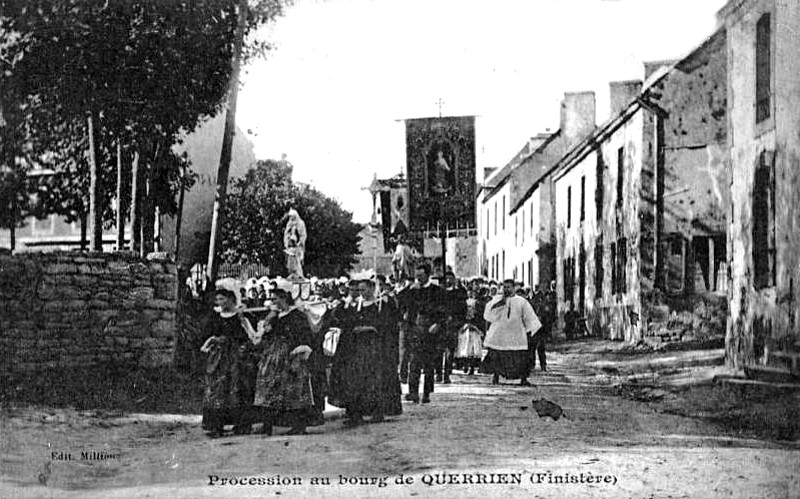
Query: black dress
{"type": "Point", "coordinates": [364, 376]}
{"type": "Point", "coordinates": [229, 374]}
{"type": "Point", "coordinates": [284, 393]}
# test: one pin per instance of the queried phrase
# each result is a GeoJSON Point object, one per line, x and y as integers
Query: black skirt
{"type": "Point", "coordinates": [510, 364]}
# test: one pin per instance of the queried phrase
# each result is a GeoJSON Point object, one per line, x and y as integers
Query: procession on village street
{"type": "Point", "coordinates": [252, 248]}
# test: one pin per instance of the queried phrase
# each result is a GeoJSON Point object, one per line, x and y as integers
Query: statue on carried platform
{"type": "Point", "coordinates": [294, 243]}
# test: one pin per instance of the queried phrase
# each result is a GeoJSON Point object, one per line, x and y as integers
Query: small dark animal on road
{"type": "Point", "coordinates": [546, 408]}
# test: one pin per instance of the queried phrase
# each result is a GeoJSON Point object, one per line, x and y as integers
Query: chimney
{"type": "Point", "coordinates": [622, 93]}
{"type": "Point", "coordinates": [577, 114]}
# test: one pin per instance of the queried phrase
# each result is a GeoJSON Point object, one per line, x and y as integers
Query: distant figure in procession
{"type": "Point", "coordinates": [294, 243]}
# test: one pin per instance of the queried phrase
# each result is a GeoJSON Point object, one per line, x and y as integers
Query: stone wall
{"type": "Point", "coordinates": [61, 310]}
{"type": "Point", "coordinates": [693, 317]}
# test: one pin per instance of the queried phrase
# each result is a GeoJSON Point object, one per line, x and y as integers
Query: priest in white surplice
{"type": "Point", "coordinates": [512, 320]}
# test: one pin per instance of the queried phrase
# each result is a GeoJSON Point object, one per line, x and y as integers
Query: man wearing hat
{"type": "Point", "coordinates": [424, 311]}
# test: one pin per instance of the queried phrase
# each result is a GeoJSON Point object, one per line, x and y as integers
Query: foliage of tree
{"type": "Point", "coordinates": [146, 71]}
{"type": "Point", "coordinates": [256, 216]}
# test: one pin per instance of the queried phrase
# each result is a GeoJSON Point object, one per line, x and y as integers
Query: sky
{"type": "Point", "coordinates": [345, 73]}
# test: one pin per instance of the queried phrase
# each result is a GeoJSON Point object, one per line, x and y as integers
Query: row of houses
{"type": "Point", "coordinates": [677, 217]}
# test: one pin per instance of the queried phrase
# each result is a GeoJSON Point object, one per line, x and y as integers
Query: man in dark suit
{"type": "Point", "coordinates": [456, 309]}
{"type": "Point", "coordinates": [423, 306]}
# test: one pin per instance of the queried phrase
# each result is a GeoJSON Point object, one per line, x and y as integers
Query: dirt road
{"type": "Point", "coordinates": [474, 440]}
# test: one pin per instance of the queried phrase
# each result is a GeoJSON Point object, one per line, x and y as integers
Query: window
{"type": "Point", "coordinates": [763, 67]}
{"type": "Point", "coordinates": [622, 258]}
{"type": "Point", "coordinates": [565, 266]}
{"type": "Point", "coordinates": [503, 271]}
{"type": "Point", "coordinates": [495, 218]}
{"type": "Point", "coordinates": [516, 232]}
{"type": "Point", "coordinates": [675, 276]}
{"type": "Point", "coordinates": [583, 198]}
{"type": "Point", "coordinates": [504, 213]}
{"type": "Point", "coordinates": [487, 223]}
{"type": "Point", "coordinates": [523, 225]}
{"type": "Point", "coordinates": [598, 267]}
{"type": "Point", "coordinates": [620, 174]}
{"type": "Point", "coordinates": [764, 222]}
{"type": "Point", "coordinates": [598, 193]}
{"type": "Point", "coordinates": [569, 279]}
{"type": "Point", "coordinates": [530, 272]}
{"type": "Point", "coordinates": [582, 280]}
{"type": "Point", "coordinates": [531, 210]}
{"type": "Point", "coordinates": [569, 206]}
{"type": "Point", "coordinates": [614, 276]}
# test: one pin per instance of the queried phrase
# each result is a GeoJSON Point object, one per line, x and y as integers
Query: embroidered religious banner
{"type": "Point", "coordinates": [440, 162]}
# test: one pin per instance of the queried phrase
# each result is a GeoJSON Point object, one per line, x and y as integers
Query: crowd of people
{"type": "Point", "coordinates": [275, 352]}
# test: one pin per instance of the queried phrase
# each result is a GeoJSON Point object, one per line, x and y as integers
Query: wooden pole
{"type": "Point", "coordinates": [227, 147]}
{"type": "Point", "coordinates": [120, 212]}
{"type": "Point", "coordinates": [179, 218]}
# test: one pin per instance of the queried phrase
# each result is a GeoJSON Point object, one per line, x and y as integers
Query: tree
{"type": "Point", "coordinates": [138, 73]}
{"type": "Point", "coordinates": [255, 217]}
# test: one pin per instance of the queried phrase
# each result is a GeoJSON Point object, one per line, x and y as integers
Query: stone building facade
{"type": "Point", "coordinates": [533, 196]}
{"type": "Point", "coordinates": [764, 139]}
{"type": "Point", "coordinates": [515, 203]}
{"type": "Point", "coordinates": [641, 207]}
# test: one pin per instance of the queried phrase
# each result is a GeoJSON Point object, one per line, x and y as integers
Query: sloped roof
{"type": "Point", "coordinates": [495, 182]}
{"type": "Point", "coordinates": [579, 151]}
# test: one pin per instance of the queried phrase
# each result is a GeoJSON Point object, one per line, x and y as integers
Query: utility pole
{"type": "Point", "coordinates": [227, 147]}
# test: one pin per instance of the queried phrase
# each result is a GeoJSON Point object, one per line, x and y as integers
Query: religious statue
{"type": "Point", "coordinates": [294, 243]}
{"type": "Point", "coordinates": [403, 261]}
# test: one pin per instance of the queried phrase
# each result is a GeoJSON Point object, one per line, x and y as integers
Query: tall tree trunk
{"type": "Point", "coordinates": [120, 208]}
{"type": "Point", "coordinates": [136, 221]}
{"type": "Point", "coordinates": [148, 213]}
{"type": "Point", "coordinates": [227, 146]}
{"type": "Point", "coordinates": [95, 190]}
{"type": "Point", "coordinates": [179, 218]}
{"type": "Point", "coordinates": [149, 201]}
{"type": "Point", "coordinates": [13, 227]}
